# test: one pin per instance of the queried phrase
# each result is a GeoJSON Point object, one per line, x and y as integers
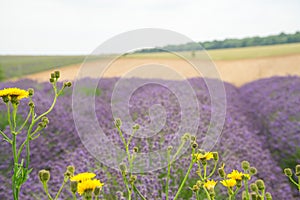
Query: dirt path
{"type": "Point", "coordinates": [237, 72]}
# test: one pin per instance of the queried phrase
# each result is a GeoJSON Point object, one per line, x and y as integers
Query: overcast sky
{"type": "Point", "coordinates": [79, 26]}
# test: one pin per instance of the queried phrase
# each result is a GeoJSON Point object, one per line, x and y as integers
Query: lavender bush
{"type": "Point", "coordinates": [241, 139]}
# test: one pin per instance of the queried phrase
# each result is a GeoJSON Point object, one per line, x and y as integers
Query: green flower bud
{"type": "Point", "coordinates": [170, 148]}
{"type": "Point", "coordinates": [221, 172]}
{"type": "Point", "coordinates": [185, 137]}
{"type": "Point", "coordinates": [45, 120]}
{"type": "Point", "coordinates": [244, 195]}
{"type": "Point", "coordinates": [5, 99]}
{"type": "Point", "coordinates": [118, 123]}
{"type": "Point", "coordinates": [123, 167]}
{"type": "Point", "coordinates": [216, 156]}
{"type": "Point", "coordinates": [253, 187]}
{"type": "Point", "coordinates": [136, 127]}
{"type": "Point", "coordinates": [52, 75]}
{"type": "Point", "coordinates": [194, 145]}
{"type": "Point", "coordinates": [132, 179]}
{"type": "Point", "coordinates": [57, 74]}
{"type": "Point", "coordinates": [245, 165]}
{"type": "Point", "coordinates": [268, 196]}
{"type": "Point", "coordinates": [42, 125]}
{"type": "Point", "coordinates": [238, 183]}
{"type": "Point", "coordinates": [97, 190]}
{"type": "Point", "coordinates": [260, 184]}
{"type": "Point", "coordinates": [44, 176]}
{"type": "Point", "coordinates": [30, 92]}
{"type": "Point", "coordinates": [51, 80]}
{"type": "Point", "coordinates": [31, 104]}
{"type": "Point", "coordinates": [288, 172]}
{"type": "Point", "coordinates": [253, 196]}
{"type": "Point", "coordinates": [195, 188]}
{"type": "Point", "coordinates": [193, 138]}
{"type": "Point", "coordinates": [297, 170]}
{"type": "Point", "coordinates": [135, 149]}
{"type": "Point", "coordinates": [252, 171]}
{"type": "Point", "coordinates": [73, 186]}
{"type": "Point", "coordinates": [199, 184]}
{"type": "Point", "coordinates": [67, 84]}
{"type": "Point", "coordinates": [71, 169]}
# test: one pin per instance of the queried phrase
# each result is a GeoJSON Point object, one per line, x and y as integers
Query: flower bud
{"type": "Point", "coordinates": [193, 138]}
{"type": "Point", "coordinates": [268, 196]}
{"type": "Point", "coordinates": [73, 186]}
{"type": "Point", "coordinates": [185, 137]}
{"type": "Point", "coordinates": [253, 196]}
{"type": "Point", "coordinates": [123, 167]}
{"type": "Point", "coordinates": [216, 156]}
{"type": "Point", "coordinates": [67, 84]}
{"type": "Point", "coordinates": [194, 145]}
{"type": "Point", "coordinates": [57, 74]}
{"type": "Point", "coordinates": [245, 165]}
{"type": "Point", "coordinates": [30, 92]}
{"type": "Point", "coordinates": [52, 76]}
{"type": "Point", "coordinates": [97, 190]}
{"type": "Point", "coordinates": [51, 80]}
{"type": "Point", "coordinates": [136, 127]}
{"type": "Point", "coordinates": [221, 172]}
{"type": "Point", "coordinates": [297, 170]}
{"type": "Point", "coordinates": [135, 149]}
{"type": "Point", "coordinates": [260, 184]}
{"type": "Point", "coordinates": [195, 188]}
{"type": "Point", "coordinates": [5, 99]}
{"type": "Point", "coordinates": [253, 187]}
{"type": "Point", "coordinates": [132, 179]}
{"type": "Point", "coordinates": [44, 176]}
{"type": "Point", "coordinates": [31, 104]}
{"type": "Point", "coordinates": [45, 120]}
{"type": "Point", "coordinates": [170, 148]}
{"type": "Point", "coordinates": [118, 122]}
{"type": "Point", "coordinates": [238, 183]}
{"type": "Point", "coordinates": [199, 184]}
{"type": "Point", "coordinates": [252, 171]}
{"type": "Point", "coordinates": [288, 172]}
{"type": "Point", "coordinates": [71, 169]}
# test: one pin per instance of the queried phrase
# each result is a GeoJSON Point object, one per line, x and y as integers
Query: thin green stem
{"type": "Point", "coordinates": [74, 196]}
{"type": "Point", "coordinates": [246, 189]}
{"type": "Point", "coordinates": [60, 189]}
{"type": "Point", "coordinates": [298, 183]}
{"type": "Point", "coordinates": [200, 171]}
{"type": "Point", "coordinates": [126, 184]}
{"type": "Point", "coordinates": [26, 120]}
{"type": "Point", "coordinates": [214, 169]}
{"type": "Point", "coordinates": [5, 137]}
{"type": "Point", "coordinates": [14, 186]}
{"type": "Point", "coordinates": [168, 174]}
{"type": "Point", "coordinates": [207, 193]}
{"type": "Point", "coordinates": [45, 185]}
{"type": "Point", "coordinates": [293, 181]}
{"type": "Point", "coordinates": [186, 176]}
{"type": "Point", "coordinates": [138, 192]}
{"type": "Point", "coordinates": [8, 117]}
{"type": "Point", "coordinates": [204, 171]}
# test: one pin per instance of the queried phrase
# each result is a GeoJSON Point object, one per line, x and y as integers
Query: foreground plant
{"type": "Point", "coordinates": [84, 184]}
{"type": "Point", "coordinates": [35, 123]}
{"type": "Point", "coordinates": [289, 173]}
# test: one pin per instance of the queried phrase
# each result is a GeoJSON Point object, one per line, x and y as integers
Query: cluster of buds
{"type": "Point", "coordinates": [258, 191]}
{"type": "Point", "coordinates": [289, 173]}
{"type": "Point", "coordinates": [54, 76]}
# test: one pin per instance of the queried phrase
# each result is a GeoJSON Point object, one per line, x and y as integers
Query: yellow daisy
{"type": "Point", "coordinates": [205, 156]}
{"type": "Point", "coordinates": [210, 184]}
{"type": "Point", "coordinates": [229, 182]}
{"type": "Point", "coordinates": [83, 177]}
{"type": "Point", "coordinates": [14, 92]}
{"type": "Point", "coordinates": [236, 175]}
{"type": "Point", "coordinates": [88, 185]}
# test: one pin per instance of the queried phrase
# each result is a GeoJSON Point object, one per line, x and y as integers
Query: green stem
{"type": "Point", "coordinates": [293, 181]}
{"type": "Point", "coordinates": [45, 185]}
{"type": "Point", "coordinates": [60, 189]}
{"type": "Point", "coordinates": [204, 171]}
{"type": "Point", "coordinates": [138, 192]}
{"type": "Point", "coordinates": [9, 118]}
{"type": "Point", "coordinates": [186, 176]}
{"type": "Point", "coordinates": [200, 171]}
{"type": "Point", "coordinates": [126, 184]}
{"type": "Point", "coordinates": [74, 196]}
{"type": "Point", "coordinates": [207, 193]}
{"type": "Point", "coordinates": [214, 169]}
{"type": "Point", "coordinates": [247, 189]}
{"type": "Point", "coordinates": [298, 183]}
{"type": "Point", "coordinates": [168, 174]}
{"type": "Point", "coordinates": [14, 186]}
{"type": "Point", "coordinates": [6, 138]}
{"type": "Point", "coordinates": [26, 120]}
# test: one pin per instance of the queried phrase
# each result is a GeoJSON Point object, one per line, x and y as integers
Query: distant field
{"type": "Point", "coordinates": [233, 53]}
{"type": "Point", "coordinates": [15, 66]}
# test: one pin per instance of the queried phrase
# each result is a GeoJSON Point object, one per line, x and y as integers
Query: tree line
{"type": "Point", "coordinates": [281, 38]}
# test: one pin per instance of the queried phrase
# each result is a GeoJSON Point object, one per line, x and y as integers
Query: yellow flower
{"type": "Point", "coordinates": [14, 92]}
{"type": "Point", "coordinates": [88, 185]}
{"type": "Point", "coordinates": [205, 156]}
{"type": "Point", "coordinates": [229, 182]}
{"type": "Point", "coordinates": [210, 184]}
{"type": "Point", "coordinates": [247, 176]}
{"type": "Point", "coordinates": [236, 175]}
{"type": "Point", "coordinates": [83, 177]}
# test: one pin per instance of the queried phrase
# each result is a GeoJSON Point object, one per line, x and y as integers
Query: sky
{"type": "Point", "coordinates": [55, 27]}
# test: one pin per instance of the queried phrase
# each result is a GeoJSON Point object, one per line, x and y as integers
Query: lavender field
{"type": "Point", "coordinates": [262, 125]}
